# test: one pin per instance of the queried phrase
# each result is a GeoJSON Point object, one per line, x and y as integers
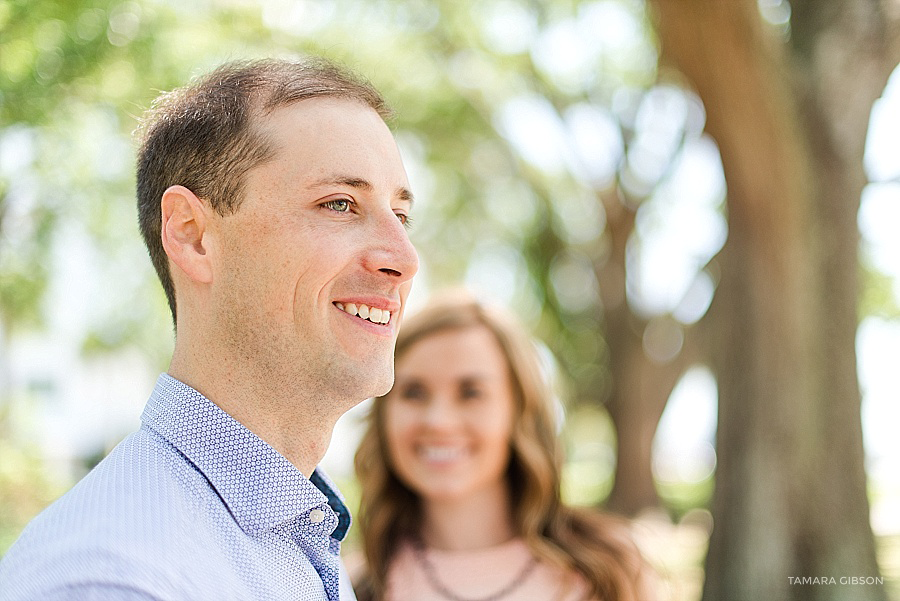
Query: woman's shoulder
{"type": "Point", "coordinates": [596, 528]}
{"type": "Point", "coordinates": [605, 543]}
{"type": "Point", "coordinates": [355, 564]}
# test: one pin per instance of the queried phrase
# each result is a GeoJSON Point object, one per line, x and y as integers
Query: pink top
{"type": "Point", "coordinates": [479, 574]}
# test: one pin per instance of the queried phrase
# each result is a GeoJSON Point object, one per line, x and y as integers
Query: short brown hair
{"type": "Point", "coordinates": [202, 137]}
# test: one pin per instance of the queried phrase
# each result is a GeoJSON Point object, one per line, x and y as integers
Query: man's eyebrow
{"type": "Point", "coordinates": [361, 184]}
{"type": "Point", "coordinates": [405, 195]}
{"type": "Point", "coordinates": [341, 180]}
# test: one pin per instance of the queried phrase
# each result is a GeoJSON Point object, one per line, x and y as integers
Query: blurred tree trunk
{"type": "Point", "coordinates": [640, 387]}
{"type": "Point", "coordinates": [790, 115]}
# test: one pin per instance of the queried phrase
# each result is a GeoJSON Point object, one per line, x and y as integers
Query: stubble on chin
{"type": "Point", "coordinates": [365, 381]}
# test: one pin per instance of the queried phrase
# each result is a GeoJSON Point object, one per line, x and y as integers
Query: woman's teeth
{"type": "Point", "coordinates": [440, 454]}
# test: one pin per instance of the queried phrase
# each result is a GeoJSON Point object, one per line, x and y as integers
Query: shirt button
{"type": "Point", "coordinates": [316, 516]}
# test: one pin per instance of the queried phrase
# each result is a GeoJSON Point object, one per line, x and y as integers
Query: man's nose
{"type": "Point", "coordinates": [392, 251]}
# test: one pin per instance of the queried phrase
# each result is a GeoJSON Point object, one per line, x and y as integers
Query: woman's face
{"type": "Point", "coordinates": [448, 420]}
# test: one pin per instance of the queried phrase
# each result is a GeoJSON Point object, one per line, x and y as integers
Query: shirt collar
{"type": "Point", "coordinates": [260, 487]}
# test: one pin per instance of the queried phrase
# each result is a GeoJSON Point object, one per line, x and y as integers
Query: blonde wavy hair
{"type": "Point", "coordinates": [596, 546]}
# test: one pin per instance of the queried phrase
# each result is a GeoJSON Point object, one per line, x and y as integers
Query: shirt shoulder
{"type": "Point", "coordinates": [130, 526]}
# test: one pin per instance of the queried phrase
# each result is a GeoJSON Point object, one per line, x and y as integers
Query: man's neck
{"type": "Point", "coordinates": [292, 422]}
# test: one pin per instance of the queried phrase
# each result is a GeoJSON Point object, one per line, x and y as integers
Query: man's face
{"type": "Point", "coordinates": [320, 233]}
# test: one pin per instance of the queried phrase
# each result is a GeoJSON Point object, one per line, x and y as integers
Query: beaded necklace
{"type": "Point", "coordinates": [421, 555]}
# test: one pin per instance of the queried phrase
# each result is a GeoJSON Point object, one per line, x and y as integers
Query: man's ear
{"type": "Point", "coordinates": [184, 223]}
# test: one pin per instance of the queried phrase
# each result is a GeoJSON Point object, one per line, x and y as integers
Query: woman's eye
{"type": "Point", "coordinates": [341, 205]}
{"type": "Point", "coordinates": [413, 392]}
{"type": "Point", "coordinates": [470, 392]}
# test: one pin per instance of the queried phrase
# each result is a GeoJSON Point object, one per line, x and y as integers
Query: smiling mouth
{"type": "Point", "coordinates": [372, 314]}
{"type": "Point", "coordinates": [441, 454]}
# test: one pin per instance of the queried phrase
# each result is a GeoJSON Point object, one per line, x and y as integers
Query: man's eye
{"type": "Point", "coordinates": [405, 219]}
{"type": "Point", "coordinates": [341, 205]}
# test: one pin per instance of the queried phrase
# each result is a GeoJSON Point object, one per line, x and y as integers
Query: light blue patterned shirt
{"type": "Point", "coordinates": [191, 506]}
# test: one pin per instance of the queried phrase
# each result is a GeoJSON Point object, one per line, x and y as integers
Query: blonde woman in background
{"type": "Point", "coordinates": [460, 476]}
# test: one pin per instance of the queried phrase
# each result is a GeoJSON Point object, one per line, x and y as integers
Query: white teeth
{"type": "Point", "coordinates": [439, 454]}
{"type": "Point", "coordinates": [373, 314]}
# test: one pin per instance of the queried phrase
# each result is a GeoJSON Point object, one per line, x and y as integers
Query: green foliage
{"type": "Point", "coordinates": [681, 497]}
{"type": "Point", "coordinates": [589, 438]}
{"type": "Point", "coordinates": [22, 291]}
{"type": "Point", "coordinates": [23, 275]}
{"type": "Point", "coordinates": [877, 296]}
{"type": "Point", "coordinates": [49, 51]}
{"type": "Point", "coordinates": [26, 487]}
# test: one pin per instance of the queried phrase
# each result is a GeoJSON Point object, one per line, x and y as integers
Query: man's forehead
{"type": "Point", "coordinates": [312, 108]}
{"type": "Point", "coordinates": [334, 142]}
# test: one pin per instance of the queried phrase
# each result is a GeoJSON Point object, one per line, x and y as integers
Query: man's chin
{"type": "Point", "coordinates": [370, 380]}
{"type": "Point", "coordinates": [384, 384]}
